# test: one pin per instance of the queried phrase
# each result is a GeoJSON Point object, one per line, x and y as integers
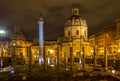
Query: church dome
{"type": "Point", "coordinates": [75, 19]}
{"type": "Point", "coordinates": [17, 35]}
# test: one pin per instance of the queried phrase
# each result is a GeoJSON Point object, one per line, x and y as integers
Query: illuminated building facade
{"type": "Point", "coordinates": [75, 36]}
{"type": "Point", "coordinates": [18, 46]}
{"type": "Point", "coordinates": [49, 50]}
{"type": "Point", "coordinates": [4, 47]}
{"type": "Point", "coordinates": [109, 38]}
{"type": "Point", "coordinates": [4, 51]}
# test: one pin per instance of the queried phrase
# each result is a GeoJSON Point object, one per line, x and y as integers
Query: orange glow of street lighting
{"type": "Point", "coordinates": [118, 50]}
{"type": "Point", "coordinates": [51, 51]}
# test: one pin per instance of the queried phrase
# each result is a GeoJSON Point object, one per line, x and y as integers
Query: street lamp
{"type": "Point", "coordinates": [57, 58]}
{"type": "Point", "coordinates": [106, 51]}
{"type": "Point", "coordinates": [95, 59]}
{"type": "Point", "coordinates": [83, 57]}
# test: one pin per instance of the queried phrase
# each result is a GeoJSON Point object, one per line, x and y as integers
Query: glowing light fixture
{"type": "Point", "coordinates": [67, 69]}
{"type": "Point", "coordinates": [51, 51]}
{"type": "Point", "coordinates": [2, 31]}
{"type": "Point", "coordinates": [80, 61]}
{"type": "Point", "coordinates": [91, 51]}
{"type": "Point", "coordinates": [78, 68]}
{"type": "Point", "coordinates": [35, 56]}
{"type": "Point", "coordinates": [118, 50]}
{"type": "Point", "coordinates": [13, 44]}
{"type": "Point", "coordinates": [52, 65]}
{"type": "Point", "coordinates": [113, 71]}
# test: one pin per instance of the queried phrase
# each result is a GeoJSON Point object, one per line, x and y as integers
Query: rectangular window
{"type": "Point", "coordinates": [77, 32]}
{"type": "Point", "coordinates": [68, 32]}
{"type": "Point", "coordinates": [85, 33]}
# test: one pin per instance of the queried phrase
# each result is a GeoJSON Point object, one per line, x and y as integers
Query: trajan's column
{"type": "Point", "coordinates": [41, 41]}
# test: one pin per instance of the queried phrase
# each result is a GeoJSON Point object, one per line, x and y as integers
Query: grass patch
{"type": "Point", "coordinates": [3, 75]}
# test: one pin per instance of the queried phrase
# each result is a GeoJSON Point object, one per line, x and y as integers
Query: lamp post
{"type": "Point", "coordinates": [71, 58]}
{"type": "Point", "coordinates": [83, 57]}
{"type": "Point", "coordinates": [105, 57]}
{"type": "Point", "coordinates": [106, 51]}
{"type": "Point", "coordinates": [119, 52]}
{"type": "Point", "coordinates": [30, 59]}
{"type": "Point", "coordinates": [82, 48]}
{"type": "Point", "coordinates": [14, 55]}
{"type": "Point", "coordinates": [80, 61]}
{"type": "Point", "coordinates": [44, 55]}
{"type": "Point", "coordinates": [57, 58]}
{"type": "Point", "coordinates": [95, 60]}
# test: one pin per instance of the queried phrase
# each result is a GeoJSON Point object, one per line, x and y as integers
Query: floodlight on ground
{"type": "Point", "coordinates": [67, 69]}
{"type": "Point", "coordinates": [12, 72]}
{"type": "Point", "coordinates": [52, 65]}
{"type": "Point", "coordinates": [113, 71]}
{"type": "Point", "coordinates": [78, 68]}
{"type": "Point", "coordinates": [35, 56]}
{"type": "Point", "coordinates": [80, 61]}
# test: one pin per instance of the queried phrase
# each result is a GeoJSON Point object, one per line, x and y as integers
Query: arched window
{"type": "Point", "coordinates": [77, 21]}
{"type": "Point", "coordinates": [69, 22]}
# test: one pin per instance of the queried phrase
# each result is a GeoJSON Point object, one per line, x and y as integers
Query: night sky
{"type": "Point", "coordinates": [25, 13]}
